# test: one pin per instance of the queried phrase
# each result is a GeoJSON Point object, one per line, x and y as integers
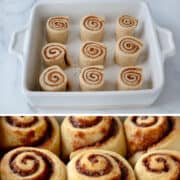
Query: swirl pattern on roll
{"type": "Point", "coordinates": [129, 45]}
{"type": "Point", "coordinates": [93, 75]}
{"type": "Point", "coordinates": [21, 121]}
{"type": "Point", "coordinates": [93, 49]}
{"type": "Point", "coordinates": [99, 164]}
{"type": "Point", "coordinates": [92, 132]}
{"type": "Point", "coordinates": [58, 22]}
{"type": "Point", "coordinates": [149, 133]}
{"type": "Point", "coordinates": [92, 53]}
{"type": "Point", "coordinates": [55, 54]}
{"type": "Point", "coordinates": [161, 164]}
{"type": "Point", "coordinates": [42, 132]}
{"type": "Point", "coordinates": [126, 26]}
{"type": "Point", "coordinates": [92, 78]}
{"type": "Point", "coordinates": [93, 23]}
{"type": "Point", "coordinates": [53, 78]}
{"type": "Point", "coordinates": [128, 21]}
{"type": "Point", "coordinates": [92, 28]}
{"type": "Point", "coordinates": [57, 28]}
{"type": "Point", "coordinates": [128, 50]}
{"type": "Point", "coordinates": [31, 163]}
{"type": "Point", "coordinates": [130, 78]}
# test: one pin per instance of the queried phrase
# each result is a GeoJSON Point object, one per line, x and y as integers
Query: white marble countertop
{"type": "Point", "coordinates": [14, 14]}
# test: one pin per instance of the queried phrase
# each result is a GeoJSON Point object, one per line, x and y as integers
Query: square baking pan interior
{"type": "Point", "coordinates": [158, 45]}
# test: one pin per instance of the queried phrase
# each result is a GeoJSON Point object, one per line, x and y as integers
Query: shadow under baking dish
{"type": "Point", "coordinates": [151, 61]}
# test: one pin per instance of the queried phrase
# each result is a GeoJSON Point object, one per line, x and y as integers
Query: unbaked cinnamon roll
{"type": "Point", "coordinates": [57, 29]}
{"type": "Point", "coordinates": [42, 132]}
{"type": "Point", "coordinates": [92, 28]}
{"type": "Point", "coordinates": [55, 54]}
{"type": "Point", "coordinates": [80, 132]}
{"type": "Point", "coordinates": [159, 164]}
{"type": "Point", "coordinates": [151, 133]}
{"type": "Point", "coordinates": [26, 163]}
{"type": "Point", "coordinates": [92, 53]}
{"type": "Point", "coordinates": [92, 78]}
{"type": "Point", "coordinates": [125, 26]}
{"type": "Point", "coordinates": [53, 78]}
{"type": "Point", "coordinates": [127, 51]}
{"type": "Point", "coordinates": [130, 78]}
{"type": "Point", "coordinates": [99, 165]}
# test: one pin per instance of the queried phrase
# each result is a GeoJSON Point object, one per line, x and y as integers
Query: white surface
{"type": "Point", "coordinates": [16, 13]}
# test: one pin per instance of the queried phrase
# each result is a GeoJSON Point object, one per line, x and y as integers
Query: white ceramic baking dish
{"type": "Point", "coordinates": [158, 40]}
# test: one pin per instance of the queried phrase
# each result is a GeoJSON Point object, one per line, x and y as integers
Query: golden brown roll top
{"type": "Point", "coordinates": [92, 132]}
{"type": "Point", "coordinates": [127, 51]}
{"type": "Point", "coordinates": [28, 163]}
{"type": "Point", "coordinates": [92, 78]}
{"type": "Point", "coordinates": [53, 78]}
{"type": "Point", "coordinates": [92, 53]}
{"type": "Point", "coordinates": [42, 132]}
{"type": "Point", "coordinates": [99, 165]}
{"type": "Point", "coordinates": [125, 26]}
{"type": "Point", "coordinates": [130, 78]}
{"type": "Point", "coordinates": [159, 164]}
{"type": "Point", "coordinates": [55, 54]}
{"type": "Point", "coordinates": [151, 133]}
{"type": "Point", "coordinates": [92, 28]}
{"type": "Point", "coordinates": [57, 29]}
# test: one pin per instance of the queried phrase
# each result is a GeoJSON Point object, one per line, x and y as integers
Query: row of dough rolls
{"type": "Point", "coordinates": [55, 55]}
{"type": "Point", "coordinates": [91, 28]}
{"type": "Point", "coordinates": [92, 57]}
{"type": "Point", "coordinates": [128, 47]}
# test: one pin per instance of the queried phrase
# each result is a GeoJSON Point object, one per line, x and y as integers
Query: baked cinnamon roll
{"type": "Point", "coordinates": [92, 28]}
{"type": "Point", "coordinates": [26, 163]}
{"type": "Point", "coordinates": [130, 78]}
{"type": "Point", "coordinates": [57, 29]}
{"type": "Point", "coordinates": [125, 26]}
{"type": "Point", "coordinates": [42, 132]}
{"type": "Point", "coordinates": [98, 165]}
{"type": "Point", "coordinates": [92, 78]}
{"type": "Point", "coordinates": [80, 132]}
{"type": "Point", "coordinates": [159, 164]}
{"type": "Point", "coordinates": [151, 133]}
{"type": "Point", "coordinates": [128, 50]}
{"type": "Point", "coordinates": [92, 53]}
{"type": "Point", "coordinates": [55, 54]}
{"type": "Point", "coordinates": [53, 78]}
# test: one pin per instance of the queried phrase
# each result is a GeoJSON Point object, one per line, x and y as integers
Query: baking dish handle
{"type": "Point", "coordinates": [16, 45]}
{"type": "Point", "coordinates": [166, 42]}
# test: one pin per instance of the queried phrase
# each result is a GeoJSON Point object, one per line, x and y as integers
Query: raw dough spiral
{"type": "Point", "coordinates": [125, 26]}
{"type": "Point", "coordinates": [57, 29]}
{"type": "Point", "coordinates": [92, 53]}
{"type": "Point", "coordinates": [92, 78]}
{"type": "Point", "coordinates": [92, 28]}
{"type": "Point", "coordinates": [127, 51]}
{"type": "Point", "coordinates": [53, 78]}
{"type": "Point", "coordinates": [130, 78]}
{"type": "Point", "coordinates": [55, 54]}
